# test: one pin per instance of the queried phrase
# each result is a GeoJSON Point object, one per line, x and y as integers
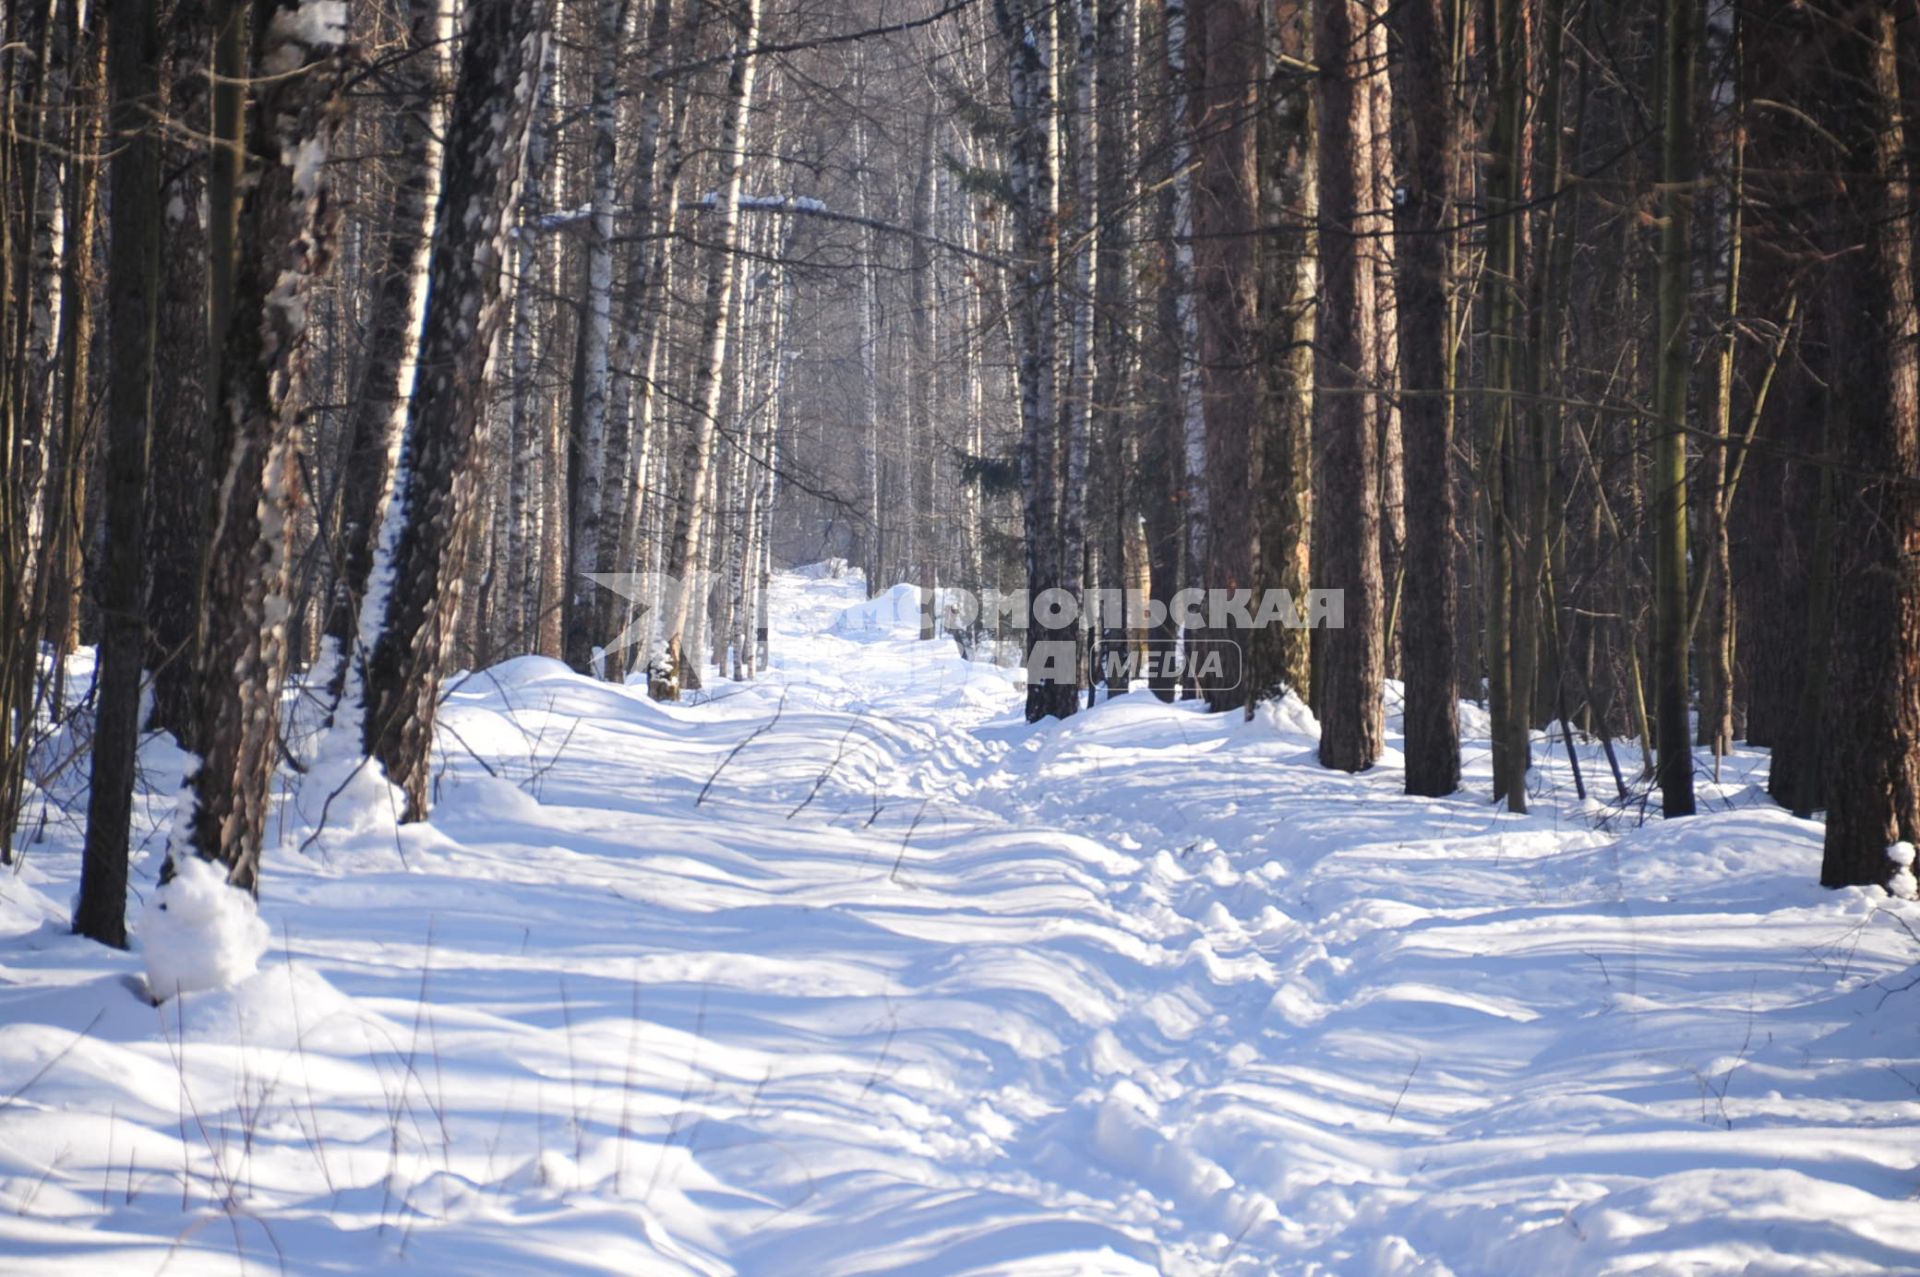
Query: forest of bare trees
{"type": "Point", "coordinates": [349, 346]}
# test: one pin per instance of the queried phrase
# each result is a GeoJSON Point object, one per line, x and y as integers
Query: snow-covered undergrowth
{"type": "Point", "coordinates": [850, 971]}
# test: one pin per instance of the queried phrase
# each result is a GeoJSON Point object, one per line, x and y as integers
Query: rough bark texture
{"type": "Point", "coordinates": [1226, 52]}
{"type": "Point", "coordinates": [1031, 174]}
{"type": "Point", "coordinates": [283, 245]}
{"type": "Point", "coordinates": [177, 502]}
{"type": "Point", "coordinates": [1347, 505]}
{"type": "Point", "coordinates": [1277, 658]}
{"type": "Point", "coordinates": [586, 543]}
{"type": "Point", "coordinates": [1672, 725]}
{"type": "Point", "coordinates": [1422, 273]}
{"type": "Point", "coordinates": [1873, 761]}
{"type": "Point", "coordinates": [132, 285]}
{"type": "Point", "coordinates": [393, 331]}
{"type": "Point", "coordinates": [486, 143]}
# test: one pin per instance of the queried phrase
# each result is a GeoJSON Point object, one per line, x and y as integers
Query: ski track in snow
{"type": "Point", "coordinates": [916, 988]}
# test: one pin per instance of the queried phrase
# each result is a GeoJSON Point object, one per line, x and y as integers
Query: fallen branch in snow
{"type": "Point", "coordinates": [907, 838]}
{"type": "Point", "coordinates": [58, 1056]}
{"type": "Point", "coordinates": [821, 779]}
{"type": "Point", "coordinates": [758, 732]}
{"type": "Point", "coordinates": [1395, 1110]}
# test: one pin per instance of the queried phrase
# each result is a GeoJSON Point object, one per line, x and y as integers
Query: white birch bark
{"type": "Point", "coordinates": [696, 462]}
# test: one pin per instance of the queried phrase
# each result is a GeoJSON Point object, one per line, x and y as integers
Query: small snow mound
{"type": "Point", "coordinates": [199, 933]}
{"type": "Point", "coordinates": [286, 1006]}
{"type": "Point", "coordinates": [345, 798]}
{"type": "Point", "coordinates": [1289, 716]}
{"type": "Point", "coordinates": [1902, 884]}
{"type": "Point", "coordinates": [895, 612]}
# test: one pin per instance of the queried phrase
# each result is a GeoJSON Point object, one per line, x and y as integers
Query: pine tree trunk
{"type": "Point", "coordinates": [1165, 491]}
{"type": "Point", "coordinates": [1196, 488]}
{"type": "Point", "coordinates": [1113, 293]}
{"type": "Point", "coordinates": [1278, 659]}
{"type": "Point", "coordinates": [19, 628]}
{"type": "Point", "coordinates": [1051, 690]}
{"type": "Point", "coordinates": [1347, 507]}
{"type": "Point", "coordinates": [1672, 726]}
{"type": "Point", "coordinates": [1423, 272]}
{"type": "Point", "coordinates": [1873, 760]}
{"type": "Point", "coordinates": [1380, 246]}
{"type": "Point", "coordinates": [1505, 537]}
{"type": "Point", "coordinates": [177, 500]}
{"type": "Point", "coordinates": [1226, 53]}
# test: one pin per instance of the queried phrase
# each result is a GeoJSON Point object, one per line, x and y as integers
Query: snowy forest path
{"type": "Point", "coordinates": [849, 970]}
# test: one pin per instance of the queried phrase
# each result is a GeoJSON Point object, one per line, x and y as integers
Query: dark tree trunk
{"type": "Point", "coordinates": [177, 501]}
{"type": "Point", "coordinates": [1226, 53]}
{"type": "Point", "coordinates": [1873, 757]}
{"type": "Point", "coordinates": [133, 270]}
{"type": "Point", "coordinates": [283, 246]}
{"type": "Point", "coordinates": [1277, 654]}
{"type": "Point", "coordinates": [1163, 479]}
{"type": "Point", "coordinates": [1051, 687]}
{"type": "Point", "coordinates": [1430, 141]}
{"type": "Point", "coordinates": [1675, 355]}
{"type": "Point", "coordinates": [1347, 505]}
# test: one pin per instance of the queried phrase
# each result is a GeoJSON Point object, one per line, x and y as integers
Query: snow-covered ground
{"type": "Point", "coordinates": [850, 971]}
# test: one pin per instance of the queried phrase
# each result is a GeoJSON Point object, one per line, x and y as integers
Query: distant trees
{"type": "Point", "coordinates": [1573, 344]}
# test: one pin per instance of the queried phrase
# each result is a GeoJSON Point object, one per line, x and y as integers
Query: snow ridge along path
{"type": "Point", "coordinates": [850, 971]}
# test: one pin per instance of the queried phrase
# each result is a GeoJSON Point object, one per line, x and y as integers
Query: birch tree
{"type": "Point", "coordinates": [669, 670]}
{"type": "Point", "coordinates": [415, 605]}
{"type": "Point", "coordinates": [284, 242]}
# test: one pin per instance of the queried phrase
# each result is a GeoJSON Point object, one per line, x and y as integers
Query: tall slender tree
{"type": "Point", "coordinates": [1430, 139]}
{"type": "Point", "coordinates": [1227, 56]}
{"type": "Point", "coordinates": [673, 665]}
{"type": "Point", "coordinates": [133, 281]}
{"type": "Point", "coordinates": [1673, 727]}
{"type": "Point", "coordinates": [1347, 506]}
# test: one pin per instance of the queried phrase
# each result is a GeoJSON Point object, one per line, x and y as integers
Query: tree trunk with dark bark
{"type": "Point", "coordinates": [1422, 270]}
{"type": "Point", "coordinates": [133, 276]}
{"type": "Point", "coordinates": [1873, 759]}
{"type": "Point", "coordinates": [1347, 506]}
{"type": "Point", "coordinates": [283, 245]}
